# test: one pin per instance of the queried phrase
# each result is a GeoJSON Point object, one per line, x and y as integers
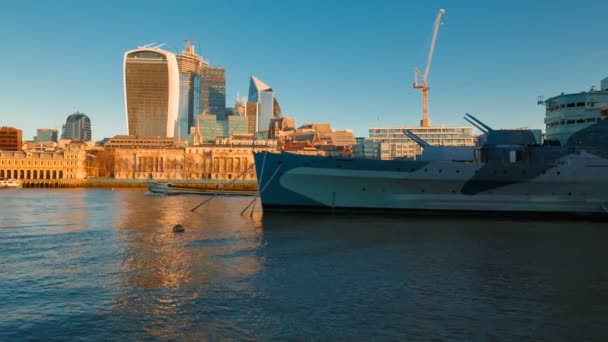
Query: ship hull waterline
{"type": "Point", "coordinates": [572, 185]}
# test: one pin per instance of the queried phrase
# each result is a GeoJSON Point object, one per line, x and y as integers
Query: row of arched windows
{"type": "Point", "coordinates": [31, 174]}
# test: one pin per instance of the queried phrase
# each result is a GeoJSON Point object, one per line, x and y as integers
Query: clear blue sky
{"type": "Point", "coordinates": [349, 63]}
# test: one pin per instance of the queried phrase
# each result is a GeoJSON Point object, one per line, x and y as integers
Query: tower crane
{"type": "Point", "coordinates": [425, 122]}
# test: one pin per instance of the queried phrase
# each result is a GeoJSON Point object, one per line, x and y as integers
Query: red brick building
{"type": "Point", "coordinates": [10, 139]}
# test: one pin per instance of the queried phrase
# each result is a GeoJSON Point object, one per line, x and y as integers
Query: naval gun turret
{"type": "Point", "coordinates": [499, 137]}
{"type": "Point", "coordinates": [510, 145]}
{"type": "Point", "coordinates": [446, 153]}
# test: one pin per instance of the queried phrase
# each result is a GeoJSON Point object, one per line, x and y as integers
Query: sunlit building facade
{"type": "Point", "coordinates": [10, 139]}
{"type": "Point", "coordinates": [151, 86]}
{"type": "Point", "coordinates": [395, 144]}
{"type": "Point", "coordinates": [37, 167]}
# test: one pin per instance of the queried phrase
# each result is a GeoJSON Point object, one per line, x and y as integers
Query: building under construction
{"type": "Point", "coordinates": [395, 143]}
{"type": "Point", "coordinates": [202, 90]}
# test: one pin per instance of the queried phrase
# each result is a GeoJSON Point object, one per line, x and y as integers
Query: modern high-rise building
{"type": "Point", "coordinates": [210, 127]}
{"type": "Point", "coordinates": [77, 127]}
{"type": "Point", "coordinates": [190, 67]}
{"type": "Point", "coordinates": [213, 91]}
{"type": "Point", "coordinates": [164, 92]}
{"type": "Point", "coordinates": [11, 139]}
{"type": "Point", "coordinates": [46, 134]}
{"type": "Point", "coordinates": [152, 91]}
{"type": "Point", "coordinates": [189, 104]}
{"type": "Point", "coordinates": [261, 104]}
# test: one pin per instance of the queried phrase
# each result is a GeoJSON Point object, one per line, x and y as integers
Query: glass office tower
{"type": "Point", "coordinates": [77, 127]}
{"type": "Point", "coordinates": [151, 85]}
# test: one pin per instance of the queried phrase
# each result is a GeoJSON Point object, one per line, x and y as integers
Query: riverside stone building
{"type": "Point", "coordinates": [43, 167]}
{"type": "Point", "coordinates": [193, 163]}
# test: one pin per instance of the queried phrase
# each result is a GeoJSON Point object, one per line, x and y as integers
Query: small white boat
{"type": "Point", "coordinates": [10, 183]}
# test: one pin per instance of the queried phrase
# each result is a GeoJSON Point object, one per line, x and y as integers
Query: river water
{"type": "Point", "coordinates": [101, 264]}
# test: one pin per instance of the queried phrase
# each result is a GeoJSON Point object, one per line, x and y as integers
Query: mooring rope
{"type": "Point", "coordinates": [261, 189]}
{"type": "Point", "coordinates": [222, 189]}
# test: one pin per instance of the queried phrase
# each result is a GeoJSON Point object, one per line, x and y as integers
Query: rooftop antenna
{"type": "Point", "coordinates": [158, 46]}
{"type": "Point", "coordinates": [148, 45]}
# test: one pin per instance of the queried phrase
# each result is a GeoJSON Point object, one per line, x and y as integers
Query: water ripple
{"type": "Point", "coordinates": [101, 265]}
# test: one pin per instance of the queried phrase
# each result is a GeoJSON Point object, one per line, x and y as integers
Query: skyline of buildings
{"type": "Point", "coordinates": [164, 92]}
{"type": "Point", "coordinates": [181, 96]}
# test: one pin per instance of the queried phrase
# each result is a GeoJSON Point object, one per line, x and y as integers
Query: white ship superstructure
{"type": "Point", "coordinates": [569, 113]}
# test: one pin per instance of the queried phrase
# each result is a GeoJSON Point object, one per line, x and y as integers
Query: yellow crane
{"type": "Point", "coordinates": [425, 122]}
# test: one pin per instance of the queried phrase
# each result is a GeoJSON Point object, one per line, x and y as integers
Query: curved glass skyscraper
{"type": "Point", "coordinates": [151, 85]}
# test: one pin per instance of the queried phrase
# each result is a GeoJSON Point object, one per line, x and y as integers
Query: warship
{"type": "Point", "coordinates": [509, 171]}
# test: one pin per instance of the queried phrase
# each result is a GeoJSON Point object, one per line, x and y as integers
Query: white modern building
{"type": "Point", "coordinates": [569, 113]}
{"type": "Point", "coordinates": [394, 143]}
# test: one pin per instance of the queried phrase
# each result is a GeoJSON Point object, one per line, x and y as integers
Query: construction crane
{"type": "Point", "coordinates": [425, 122]}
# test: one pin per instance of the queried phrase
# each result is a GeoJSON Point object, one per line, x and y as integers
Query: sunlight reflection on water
{"type": "Point", "coordinates": [101, 264]}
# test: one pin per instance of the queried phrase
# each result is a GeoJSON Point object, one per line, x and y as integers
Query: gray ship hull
{"type": "Point", "coordinates": [573, 183]}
